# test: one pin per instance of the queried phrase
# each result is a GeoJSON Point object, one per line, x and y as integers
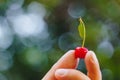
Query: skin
{"type": "Point", "coordinates": [65, 68]}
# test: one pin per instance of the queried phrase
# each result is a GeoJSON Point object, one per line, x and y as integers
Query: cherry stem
{"type": "Point", "coordinates": [83, 43]}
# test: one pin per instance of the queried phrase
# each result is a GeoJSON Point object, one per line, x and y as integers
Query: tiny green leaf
{"type": "Point", "coordinates": [82, 32]}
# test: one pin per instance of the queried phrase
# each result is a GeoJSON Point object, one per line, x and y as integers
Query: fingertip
{"type": "Point", "coordinates": [92, 66]}
{"type": "Point", "coordinates": [70, 53]}
{"type": "Point", "coordinates": [89, 53]}
{"type": "Point", "coordinates": [91, 59]}
{"type": "Point", "coordinates": [90, 56]}
{"type": "Point", "coordinates": [68, 60]}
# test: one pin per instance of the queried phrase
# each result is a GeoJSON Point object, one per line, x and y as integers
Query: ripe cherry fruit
{"type": "Point", "coordinates": [80, 52]}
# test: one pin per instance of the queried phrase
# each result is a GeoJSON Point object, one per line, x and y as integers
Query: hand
{"type": "Point", "coordinates": [64, 69]}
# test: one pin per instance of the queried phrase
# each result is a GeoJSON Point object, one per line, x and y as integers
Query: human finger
{"type": "Point", "coordinates": [92, 66]}
{"type": "Point", "coordinates": [70, 74]}
{"type": "Point", "coordinates": [66, 61]}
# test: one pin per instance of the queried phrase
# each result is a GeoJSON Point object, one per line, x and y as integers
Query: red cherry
{"type": "Point", "coordinates": [80, 52]}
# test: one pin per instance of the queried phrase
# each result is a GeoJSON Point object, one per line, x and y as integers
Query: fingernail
{"type": "Point", "coordinates": [61, 72]}
{"type": "Point", "coordinates": [93, 58]}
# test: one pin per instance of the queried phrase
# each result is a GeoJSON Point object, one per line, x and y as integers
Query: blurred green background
{"type": "Point", "coordinates": [34, 34]}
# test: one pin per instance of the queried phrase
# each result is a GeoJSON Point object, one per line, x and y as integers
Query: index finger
{"type": "Point", "coordinates": [92, 66]}
{"type": "Point", "coordinates": [66, 61]}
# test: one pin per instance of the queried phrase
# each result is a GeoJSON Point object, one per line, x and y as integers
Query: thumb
{"type": "Point", "coordinates": [70, 74]}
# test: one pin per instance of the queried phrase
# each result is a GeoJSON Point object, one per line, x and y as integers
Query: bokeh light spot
{"type": "Point", "coordinates": [6, 35]}
{"type": "Point", "coordinates": [76, 10]}
{"type": "Point", "coordinates": [106, 49]}
{"type": "Point", "coordinates": [66, 41]}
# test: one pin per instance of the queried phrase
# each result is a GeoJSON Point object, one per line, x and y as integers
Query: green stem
{"type": "Point", "coordinates": [83, 43]}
